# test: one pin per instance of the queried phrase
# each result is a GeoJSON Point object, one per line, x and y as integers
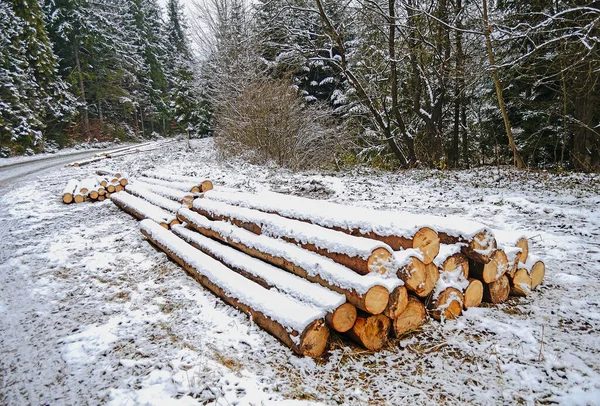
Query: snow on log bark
{"type": "Point", "coordinates": [156, 199]}
{"type": "Point", "coordinates": [491, 271]}
{"type": "Point", "coordinates": [398, 230]}
{"type": "Point", "coordinates": [300, 326]}
{"type": "Point", "coordinates": [447, 305]}
{"type": "Point", "coordinates": [478, 247]}
{"type": "Point", "coordinates": [473, 294]}
{"type": "Point", "coordinates": [142, 209]}
{"type": "Point", "coordinates": [69, 190]}
{"type": "Point", "coordinates": [340, 315]}
{"type": "Point", "coordinates": [183, 186]}
{"type": "Point", "coordinates": [450, 258]}
{"type": "Point", "coordinates": [371, 331]}
{"type": "Point", "coordinates": [185, 198]}
{"type": "Point", "coordinates": [369, 293]}
{"type": "Point", "coordinates": [498, 291]}
{"type": "Point", "coordinates": [360, 254]}
{"type": "Point", "coordinates": [411, 318]}
{"type": "Point", "coordinates": [204, 184]}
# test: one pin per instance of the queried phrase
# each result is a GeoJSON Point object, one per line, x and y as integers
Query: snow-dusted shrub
{"type": "Point", "coordinates": [268, 121]}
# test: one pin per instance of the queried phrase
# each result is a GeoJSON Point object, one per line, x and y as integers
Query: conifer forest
{"type": "Point", "coordinates": [309, 83]}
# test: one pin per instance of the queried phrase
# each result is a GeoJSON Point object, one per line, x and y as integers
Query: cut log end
{"type": "Point", "coordinates": [397, 303]}
{"type": "Point", "coordinates": [520, 283]}
{"type": "Point", "coordinates": [481, 247]}
{"type": "Point", "coordinates": [498, 291]}
{"type": "Point", "coordinates": [376, 299]}
{"type": "Point", "coordinates": [453, 262]}
{"type": "Point", "coordinates": [206, 186]}
{"type": "Point", "coordinates": [379, 261]}
{"type": "Point", "coordinates": [473, 294]}
{"type": "Point", "coordinates": [411, 318]}
{"type": "Point", "coordinates": [371, 331]}
{"type": "Point", "coordinates": [414, 275]}
{"type": "Point", "coordinates": [314, 339]}
{"type": "Point", "coordinates": [524, 245]}
{"type": "Point", "coordinates": [343, 318]}
{"type": "Point", "coordinates": [79, 199]}
{"type": "Point", "coordinates": [67, 198]}
{"type": "Point", "coordinates": [123, 181]}
{"type": "Point", "coordinates": [538, 271]}
{"type": "Point", "coordinates": [427, 241]}
{"type": "Point", "coordinates": [432, 274]}
{"type": "Point", "coordinates": [448, 305]}
{"type": "Point", "coordinates": [492, 270]}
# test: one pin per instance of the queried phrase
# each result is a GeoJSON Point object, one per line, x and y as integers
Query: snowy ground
{"type": "Point", "coordinates": [90, 313]}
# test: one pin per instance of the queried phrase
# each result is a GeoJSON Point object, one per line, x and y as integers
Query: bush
{"type": "Point", "coordinates": [268, 121]}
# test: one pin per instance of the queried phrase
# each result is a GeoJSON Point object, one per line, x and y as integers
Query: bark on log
{"type": "Point", "coordinates": [350, 220]}
{"type": "Point", "coordinates": [371, 331]}
{"type": "Point", "coordinates": [520, 283]}
{"type": "Point", "coordinates": [397, 303]}
{"type": "Point", "coordinates": [473, 294]}
{"type": "Point", "coordinates": [448, 305]}
{"type": "Point", "coordinates": [370, 297]}
{"type": "Point", "coordinates": [182, 186]}
{"type": "Point", "coordinates": [339, 314]}
{"type": "Point", "coordinates": [367, 255]}
{"type": "Point", "coordinates": [492, 270]}
{"type": "Point", "coordinates": [69, 190]}
{"type": "Point", "coordinates": [498, 291]}
{"type": "Point", "coordinates": [184, 198]}
{"type": "Point", "coordinates": [411, 318]}
{"type": "Point", "coordinates": [478, 248]}
{"type": "Point", "coordinates": [156, 199]}
{"type": "Point", "coordinates": [310, 340]}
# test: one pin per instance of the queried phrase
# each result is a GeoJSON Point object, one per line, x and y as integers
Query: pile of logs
{"type": "Point", "coordinates": [130, 149]}
{"type": "Point", "coordinates": [94, 188]}
{"type": "Point", "coordinates": [301, 268]}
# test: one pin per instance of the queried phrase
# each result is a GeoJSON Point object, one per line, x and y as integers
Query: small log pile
{"type": "Point", "coordinates": [95, 188]}
{"type": "Point", "coordinates": [128, 150]}
{"type": "Point", "coordinates": [367, 275]}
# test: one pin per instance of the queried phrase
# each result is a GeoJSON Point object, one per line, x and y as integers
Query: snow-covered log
{"type": "Point", "coordinates": [156, 199]}
{"type": "Point", "coordinates": [371, 331]}
{"type": "Point", "coordinates": [498, 291]}
{"type": "Point", "coordinates": [83, 162]}
{"type": "Point", "coordinates": [86, 185]}
{"type": "Point", "coordinates": [398, 230]}
{"type": "Point", "coordinates": [78, 195]}
{"type": "Point", "coordinates": [413, 317]}
{"type": "Point", "coordinates": [396, 303]}
{"type": "Point", "coordinates": [362, 255]}
{"type": "Point", "coordinates": [447, 305]}
{"type": "Point", "coordinates": [183, 186]}
{"type": "Point", "coordinates": [69, 190]}
{"type": "Point", "coordinates": [520, 283]}
{"type": "Point", "coordinates": [414, 274]}
{"type": "Point", "coordinates": [369, 293]}
{"type": "Point", "coordinates": [432, 274]}
{"type": "Point", "coordinates": [451, 258]}
{"type": "Point", "coordinates": [492, 270]}
{"type": "Point", "coordinates": [473, 294]}
{"type": "Point", "coordinates": [340, 315]}
{"type": "Point", "coordinates": [298, 325]}
{"type": "Point", "coordinates": [122, 149]}
{"type": "Point", "coordinates": [514, 239]}
{"type": "Point", "coordinates": [204, 184]}
{"type": "Point", "coordinates": [185, 198]}
{"type": "Point", "coordinates": [142, 209]}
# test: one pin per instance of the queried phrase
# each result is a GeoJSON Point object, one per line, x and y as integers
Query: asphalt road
{"type": "Point", "coordinates": [14, 172]}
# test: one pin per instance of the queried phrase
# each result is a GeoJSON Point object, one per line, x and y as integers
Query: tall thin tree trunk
{"type": "Point", "coordinates": [518, 161]}
{"type": "Point", "coordinates": [86, 119]}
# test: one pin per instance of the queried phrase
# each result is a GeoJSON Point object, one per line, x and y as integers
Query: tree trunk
{"type": "Point", "coordinates": [86, 120]}
{"type": "Point", "coordinates": [518, 161]}
{"type": "Point", "coordinates": [372, 332]}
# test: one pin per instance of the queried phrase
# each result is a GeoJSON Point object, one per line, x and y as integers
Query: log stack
{"type": "Point", "coordinates": [94, 188]}
{"type": "Point", "coordinates": [368, 275]}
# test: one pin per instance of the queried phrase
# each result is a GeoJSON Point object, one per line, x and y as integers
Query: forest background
{"type": "Point", "coordinates": [310, 83]}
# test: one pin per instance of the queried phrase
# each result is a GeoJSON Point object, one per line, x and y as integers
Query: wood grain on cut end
{"type": "Point", "coordinates": [67, 198]}
{"type": "Point", "coordinates": [473, 294]}
{"type": "Point", "coordinates": [481, 247]}
{"type": "Point", "coordinates": [453, 262]}
{"type": "Point", "coordinates": [538, 271]}
{"type": "Point", "coordinates": [413, 275]}
{"type": "Point", "coordinates": [448, 305]}
{"type": "Point", "coordinates": [123, 182]}
{"type": "Point", "coordinates": [432, 274]}
{"type": "Point", "coordinates": [379, 261]}
{"type": "Point", "coordinates": [520, 283]}
{"type": "Point", "coordinates": [314, 339]}
{"type": "Point", "coordinates": [79, 198]}
{"type": "Point", "coordinates": [492, 270]}
{"type": "Point", "coordinates": [376, 299]}
{"type": "Point", "coordinates": [396, 303]}
{"type": "Point", "coordinates": [343, 318]}
{"type": "Point", "coordinates": [524, 245]}
{"type": "Point", "coordinates": [498, 291]}
{"type": "Point", "coordinates": [411, 318]}
{"type": "Point", "coordinates": [427, 241]}
{"type": "Point", "coordinates": [370, 331]}
{"type": "Point", "coordinates": [206, 186]}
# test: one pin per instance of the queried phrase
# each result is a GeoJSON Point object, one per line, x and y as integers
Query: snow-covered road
{"type": "Point", "coordinates": [90, 313]}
